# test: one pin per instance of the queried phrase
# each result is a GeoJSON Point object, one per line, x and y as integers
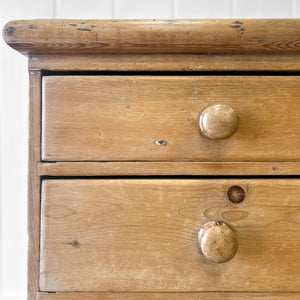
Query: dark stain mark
{"type": "Point", "coordinates": [74, 244]}
{"type": "Point", "coordinates": [236, 194]}
{"type": "Point", "coordinates": [32, 26]}
{"type": "Point", "coordinates": [239, 27]}
{"type": "Point", "coordinates": [128, 106]}
{"type": "Point", "coordinates": [188, 119]}
{"type": "Point", "coordinates": [93, 26]}
{"type": "Point", "coordinates": [84, 29]}
{"type": "Point", "coordinates": [82, 22]}
{"type": "Point", "coordinates": [10, 29]}
{"type": "Point", "coordinates": [160, 143]}
{"type": "Point", "coordinates": [171, 21]}
{"type": "Point", "coordinates": [74, 25]}
{"type": "Point", "coordinates": [235, 26]}
{"type": "Point", "coordinates": [274, 168]}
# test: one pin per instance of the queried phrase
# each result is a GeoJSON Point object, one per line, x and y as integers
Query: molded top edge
{"type": "Point", "coordinates": [231, 36]}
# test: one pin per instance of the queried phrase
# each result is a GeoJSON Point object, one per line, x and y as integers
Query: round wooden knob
{"type": "Point", "coordinates": [218, 121]}
{"type": "Point", "coordinates": [217, 241]}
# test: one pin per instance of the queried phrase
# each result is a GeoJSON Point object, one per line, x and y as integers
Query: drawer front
{"type": "Point", "coordinates": [98, 118]}
{"type": "Point", "coordinates": [142, 235]}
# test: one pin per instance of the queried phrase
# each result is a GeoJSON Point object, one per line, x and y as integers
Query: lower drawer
{"type": "Point", "coordinates": [142, 235]}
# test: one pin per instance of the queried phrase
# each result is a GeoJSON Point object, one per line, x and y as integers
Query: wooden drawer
{"type": "Point", "coordinates": [118, 118]}
{"type": "Point", "coordinates": [141, 235]}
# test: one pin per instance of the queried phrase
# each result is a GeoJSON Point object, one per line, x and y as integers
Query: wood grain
{"type": "Point", "coordinates": [167, 168]}
{"type": "Point", "coordinates": [141, 235]}
{"type": "Point", "coordinates": [154, 36]}
{"type": "Point", "coordinates": [168, 296]}
{"type": "Point", "coordinates": [33, 210]}
{"type": "Point", "coordinates": [156, 118]}
{"type": "Point", "coordinates": [165, 62]}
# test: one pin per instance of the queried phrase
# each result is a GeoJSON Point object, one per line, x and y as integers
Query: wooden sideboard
{"type": "Point", "coordinates": [164, 158]}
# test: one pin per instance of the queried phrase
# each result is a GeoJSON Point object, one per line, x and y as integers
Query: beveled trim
{"type": "Point", "coordinates": [167, 168]}
{"type": "Point", "coordinates": [164, 62]}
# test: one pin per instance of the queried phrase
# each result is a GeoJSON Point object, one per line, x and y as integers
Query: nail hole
{"type": "Point", "coordinates": [160, 143]}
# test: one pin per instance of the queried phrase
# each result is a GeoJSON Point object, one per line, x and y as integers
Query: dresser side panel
{"type": "Point", "coordinates": [34, 184]}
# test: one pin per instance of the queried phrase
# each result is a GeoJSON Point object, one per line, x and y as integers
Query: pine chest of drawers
{"type": "Point", "coordinates": [164, 158]}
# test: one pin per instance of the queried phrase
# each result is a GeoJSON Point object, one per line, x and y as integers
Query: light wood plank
{"type": "Point", "coordinates": [154, 36]}
{"type": "Point", "coordinates": [141, 235]}
{"type": "Point", "coordinates": [167, 168]}
{"type": "Point", "coordinates": [164, 62]}
{"type": "Point", "coordinates": [34, 156]}
{"type": "Point", "coordinates": [122, 118]}
{"type": "Point", "coordinates": [168, 296]}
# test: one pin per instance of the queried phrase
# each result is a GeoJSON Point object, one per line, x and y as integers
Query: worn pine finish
{"type": "Point", "coordinates": [154, 36]}
{"type": "Point", "coordinates": [167, 168]}
{"type": "Point", "coordinates": [141, 235]}
{"type": "Point", "coordinates": [103, 236]}
{"type": "Point", "coordinates": [168, 296]}
{"type": "Point", "coordinates": [142, 118]}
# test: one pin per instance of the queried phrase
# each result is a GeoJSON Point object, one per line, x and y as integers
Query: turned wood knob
{"type": "Point", "coordinates": [217, 241]}
{"type": "Point", "coordinates": [218, 121]}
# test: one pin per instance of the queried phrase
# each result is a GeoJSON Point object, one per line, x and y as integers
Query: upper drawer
{"type": "Point", "coordinates": [91, 118]}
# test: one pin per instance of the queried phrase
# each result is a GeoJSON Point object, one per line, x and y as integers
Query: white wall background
{"type": "Point", "coordinates": [14, 99]}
